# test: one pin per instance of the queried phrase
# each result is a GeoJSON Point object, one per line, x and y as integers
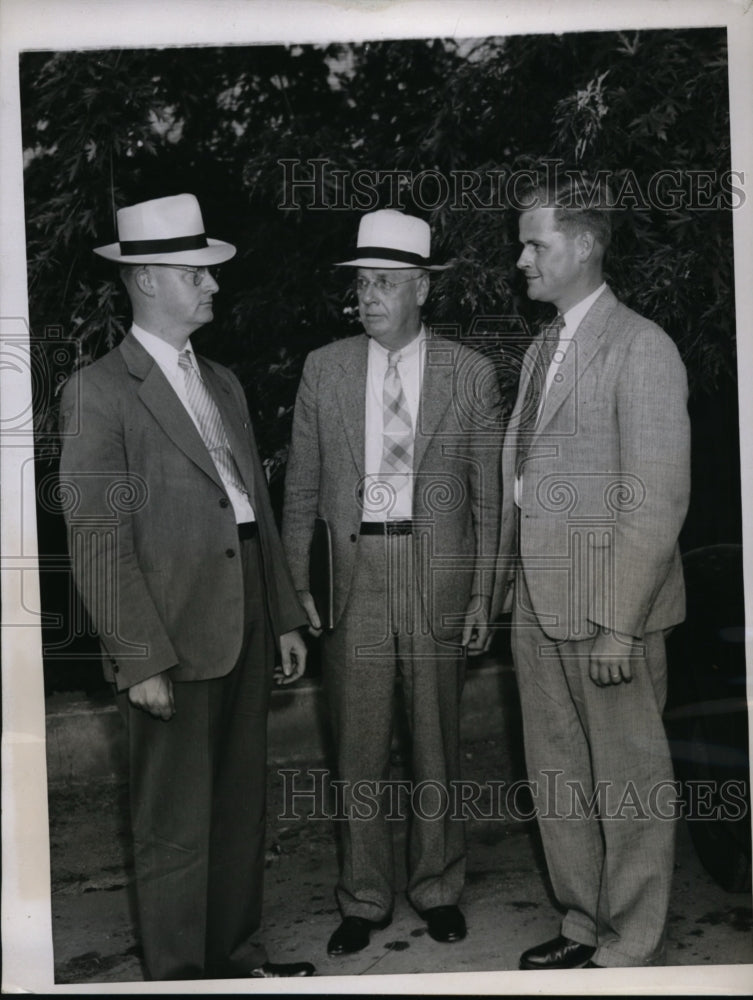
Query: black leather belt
{"type": "Point", "coordinates": [249, 529]}
{"type": "Point", "coordinates": [386, 527]}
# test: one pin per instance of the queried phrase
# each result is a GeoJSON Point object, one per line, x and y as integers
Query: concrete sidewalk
{"type": "Point", "coordinates": [506, 900]}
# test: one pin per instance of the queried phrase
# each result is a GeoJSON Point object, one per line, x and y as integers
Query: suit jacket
{"type": "Point", "coordinates": [606, 483]}
{"type": "Point", "coordinates": [153, 539]}
{"type": "Point", "coordinates": [456, 502]}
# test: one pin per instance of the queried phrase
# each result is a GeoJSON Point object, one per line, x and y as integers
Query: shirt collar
{"type": "Point", "coordinates": [163, 353]}
{"type": "Point", "coordinates": [574, 316]}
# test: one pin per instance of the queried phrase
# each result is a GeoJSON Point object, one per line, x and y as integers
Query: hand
{"type": "Point", "coordinates": [315, 624]}
{"type": "Point", "coordinates": [477, 635]}
{"type": "Point", "coordinates": [610, 658]}
{"type": "Point", "coordinates": [154, 695]}
{"type": "Point", "coordinates": [293, 651]}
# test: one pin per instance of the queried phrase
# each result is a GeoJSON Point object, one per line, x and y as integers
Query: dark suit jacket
{"type": "Point", "coordinates": [456, 500]}
{"type": "Point", "coordinates": [607, 481]}
{"type": "Point", "coordinates": [153, 538]}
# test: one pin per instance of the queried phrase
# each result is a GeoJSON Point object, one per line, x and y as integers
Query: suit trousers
{"type": "Point", "coordinates": [383, 631]}
{"type": "Point", "coordinates": [197, 793]}
{"type": "Point", "coordinates": [601, 772]}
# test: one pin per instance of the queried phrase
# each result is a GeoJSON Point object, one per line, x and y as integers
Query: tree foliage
{"type": "Point", "coordinates": [103, 129]}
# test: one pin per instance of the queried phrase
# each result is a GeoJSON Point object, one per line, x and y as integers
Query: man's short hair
{"type": "Point", "coordinates": [581, 203]}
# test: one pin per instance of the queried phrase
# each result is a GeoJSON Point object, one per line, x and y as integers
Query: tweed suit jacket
{"type": "Point", "coordinates": [605, 487]}
{"type": "Point", "coordinates": [152, 534]}
{"type": "Point", "coordinates": [456, 495]}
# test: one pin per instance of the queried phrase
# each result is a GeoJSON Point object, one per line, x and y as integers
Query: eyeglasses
{"type": "Point", "coordinates": [198, 274]}
{"type": "Point", "coordinates": [383, 285]}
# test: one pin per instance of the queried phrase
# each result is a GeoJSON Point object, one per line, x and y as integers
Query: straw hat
{"type": "Point", "coordinates": [391, 239]}
{"type": "Point", "coordinates": [165, 231]}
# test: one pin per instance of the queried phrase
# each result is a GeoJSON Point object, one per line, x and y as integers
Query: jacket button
{"type": "Point", "coordinates": [224, 502]}
{"type": "Point", "coordinates": [115, 668]}
{"type": "Point", "coordinates": [230, 553]}
{"type": "Point", "coordinates": [353, 538]}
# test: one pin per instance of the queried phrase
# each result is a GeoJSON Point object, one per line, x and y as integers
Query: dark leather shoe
{"type": "Point", "coordinates": [445, 923]}
{"type": "Point", "coordinates": [559, 953]}
{"type": "Point", "coordinates": [273, 970]}
{"type": "Point", "coordinates": [353, 935]}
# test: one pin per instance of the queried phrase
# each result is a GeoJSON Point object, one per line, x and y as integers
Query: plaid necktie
{"type": "Point", "coordinates": [210, 423]}
{"type": "Point", "coordinates": [397, 434]}
{"type": "Point", "coordinates": [529, 413]}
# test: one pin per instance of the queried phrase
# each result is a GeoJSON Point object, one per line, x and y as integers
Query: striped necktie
{"type": "Point", "coordinates": [210, 423]}
{"type": "Point", "coordinates": [397, 429]}
{"type": "Point", "coordinates": [530, 410]}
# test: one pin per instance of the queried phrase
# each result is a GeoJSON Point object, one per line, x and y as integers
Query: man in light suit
{"type": "Point", "coordinates": [596, 487]}
{"type": "Point", "coordinates": [395, 444]}
{"type": "Point", "coordinates": [176, 555]}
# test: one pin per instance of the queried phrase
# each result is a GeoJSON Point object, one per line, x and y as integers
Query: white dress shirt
{"type": "Point", "coordinates": [410, 368]}
{"type": "Point", "coordinates": [166, 357]}
{"type": "Point", "coordinates": [572, 320]}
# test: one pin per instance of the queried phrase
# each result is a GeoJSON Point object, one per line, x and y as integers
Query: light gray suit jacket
{"type": "Point", "coordinates": [606, 483]}
{"type": "Point", "coordinates": [456, 498]}
{"type": "Point", "coordinates": [153, 539]}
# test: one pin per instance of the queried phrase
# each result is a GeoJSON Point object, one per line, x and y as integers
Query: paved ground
{"type": "Point", "coordinates": [506, 900]}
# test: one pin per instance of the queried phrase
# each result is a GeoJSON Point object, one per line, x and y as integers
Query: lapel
{"type": "Point", "coordinates": [436, 393]}
{"type": "Point", "coordinates": [510, 442]}
{"type": "Point", "coordinates": [158, 396]}
{"type": "Point", "coordinates": [351, 395]}
{"type": "Point", "coordinates": [579, 355]}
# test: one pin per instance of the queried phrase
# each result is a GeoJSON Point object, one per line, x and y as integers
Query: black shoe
{"type": "Point", "coordinates": [353, 935]}
{"type": "Point", "coordinates": [445, 923]}
{"type": "Point", "coordinates": [559, 953]}
{"type": "Point", "coordinates": [274, 970]}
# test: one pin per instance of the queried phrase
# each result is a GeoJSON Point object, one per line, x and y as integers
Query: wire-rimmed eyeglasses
{"type": "Point", "coordinates": [198, 274]}
{"type": "Point", "coordinates": [382, 285]}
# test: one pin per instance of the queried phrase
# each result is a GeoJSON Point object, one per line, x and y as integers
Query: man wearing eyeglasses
{"type": "Point", "coordinates": [396, 447]}
{"type": "Point", "coordinates": [176, 556]}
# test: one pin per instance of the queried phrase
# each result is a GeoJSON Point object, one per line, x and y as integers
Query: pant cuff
{"type": "Point", "coordinates": [614, 958]}
{"type": "Point", "coordinates": [579, 930]}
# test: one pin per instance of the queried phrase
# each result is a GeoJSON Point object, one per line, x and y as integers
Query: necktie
{"type": "Point", "coordinates": [397, 430]}
{"type": "Point", "coordinates": [210, 423]}
{"type": "Point", "coordinates": [529, 412]}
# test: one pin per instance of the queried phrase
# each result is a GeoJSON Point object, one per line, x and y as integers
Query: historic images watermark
{"type": "Point", "coordinates": [318, 184]}
{"type": "Point", "coordinates": [96, 531]}
{"type": "Point", "coordinates": [313, 794]}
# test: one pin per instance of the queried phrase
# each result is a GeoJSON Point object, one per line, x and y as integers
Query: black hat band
{"type": "Point", "coordinates": [130, 248]}
{"type": "Point", "coordinates": [386, 253]}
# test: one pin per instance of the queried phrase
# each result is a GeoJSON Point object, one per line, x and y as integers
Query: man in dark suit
{"type": "Point", "coordinates": [596, 486]}
{"type": "Point", "coordinates": [176, 555]}
{"type": "Point", "coordinates": [395, 444]}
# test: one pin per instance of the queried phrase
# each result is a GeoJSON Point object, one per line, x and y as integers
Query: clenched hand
{"type": "Point", "coordinates": [611, 658]}
{"type": "Point", "coordinates": [154, 695]}
{"type": "Point", "coordinates": [293, 653]}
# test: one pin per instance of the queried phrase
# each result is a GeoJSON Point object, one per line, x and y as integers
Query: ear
{"type": "Point", "coordinates": [145, 281]}
{"type": "Point", "coordinates": [584, 244]}
{"type": "Point", "coordinates": [422, 288]}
